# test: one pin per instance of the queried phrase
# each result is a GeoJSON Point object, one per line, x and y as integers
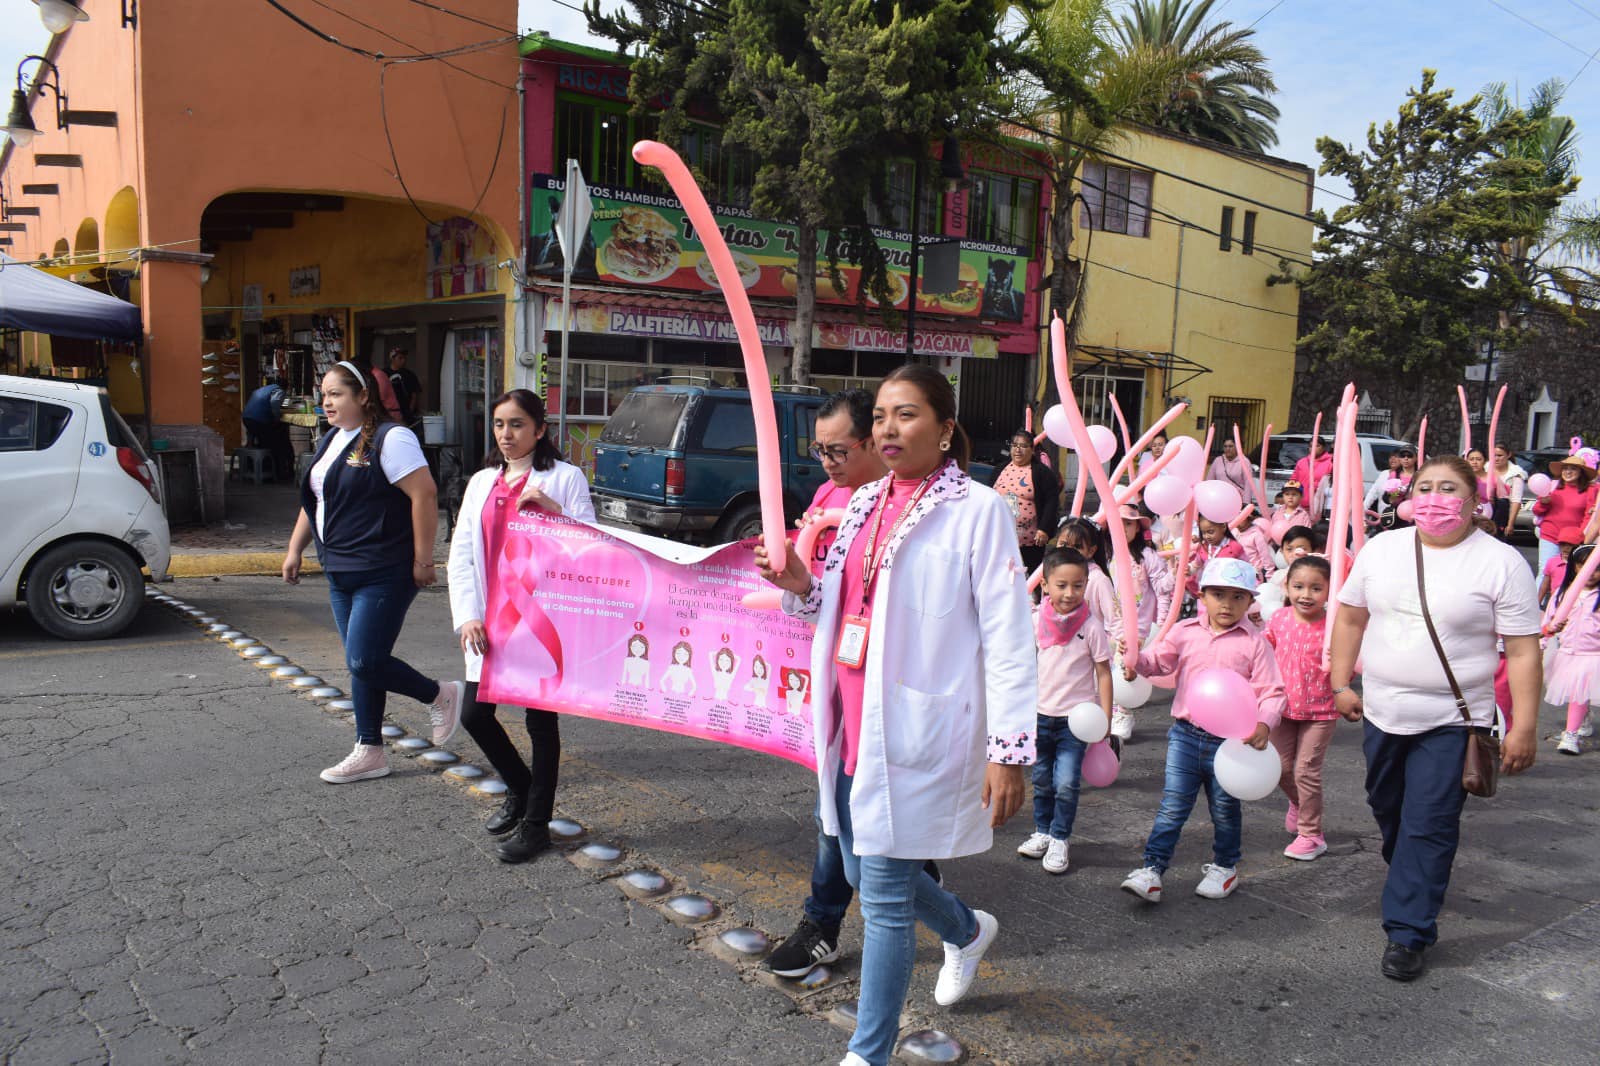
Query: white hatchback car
{"type": "Point", "coordinates": [82, 515]}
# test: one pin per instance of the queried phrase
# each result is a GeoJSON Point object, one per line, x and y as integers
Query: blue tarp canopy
{"type": "Point", "coordinates": [33, 300]}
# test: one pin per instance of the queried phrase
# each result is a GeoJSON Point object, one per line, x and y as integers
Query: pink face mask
{"type": "Point", "coordinates": [1437, 514]}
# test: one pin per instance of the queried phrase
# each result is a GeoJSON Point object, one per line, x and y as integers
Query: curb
{"type": "Point", "coordinates": [233, 564]}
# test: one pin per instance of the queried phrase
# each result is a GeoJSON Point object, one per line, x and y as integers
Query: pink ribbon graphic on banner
{"type": "Point", "coordinates": [531, 639]}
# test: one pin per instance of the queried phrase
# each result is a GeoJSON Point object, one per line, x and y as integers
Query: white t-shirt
{"type": "Point", "coordinates": [1478, 590]}
{"type": "Point", "coordinates": [400, 455]}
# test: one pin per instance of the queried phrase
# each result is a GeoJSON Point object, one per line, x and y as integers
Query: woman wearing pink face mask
{"type": "Point", "coordinates": [1477, 588]}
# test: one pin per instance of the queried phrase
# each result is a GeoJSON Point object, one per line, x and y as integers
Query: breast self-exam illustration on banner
{"type": "Point", "coordinates": [630, 628]}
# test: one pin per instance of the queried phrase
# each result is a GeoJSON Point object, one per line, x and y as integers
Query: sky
{"type": "Point", "coordinates": [1339, 67]}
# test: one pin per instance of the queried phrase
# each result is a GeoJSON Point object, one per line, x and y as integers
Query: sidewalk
{"type": "Point", "coordinates": [253, 537]}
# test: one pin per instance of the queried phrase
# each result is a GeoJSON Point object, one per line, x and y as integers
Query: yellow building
{"type": "Point", "coordinates": [1178, 306]}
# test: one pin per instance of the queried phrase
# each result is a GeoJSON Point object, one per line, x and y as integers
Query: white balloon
{"type": "Point", "coordinates": [1056, 426]}
{"type": "Point", "coordinates": [1245, 773]}
{"type": "Point", "coordinates": [1130, 694]}
{"type": "Point", "coordinates": [1088, 722]}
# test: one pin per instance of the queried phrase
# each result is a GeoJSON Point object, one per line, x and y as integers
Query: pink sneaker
{"type": "Point", "coordinates": [366, 761]}
{"type": "Point", "coordinates": [1306, 848]}
{"type": "Point", "coordinates": [1291, 821]}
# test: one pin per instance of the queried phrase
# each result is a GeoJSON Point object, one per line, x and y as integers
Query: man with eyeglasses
{"type": "Point", "coordinates": [843, 446]}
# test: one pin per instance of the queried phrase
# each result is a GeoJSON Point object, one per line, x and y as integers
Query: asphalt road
{"type": "Point", "coordinates": [181, 887]}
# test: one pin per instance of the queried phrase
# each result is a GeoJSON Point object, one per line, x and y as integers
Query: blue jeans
{"type": "Point", "coordinates": [895, 895]}
{"type": "Point", "coordinates": [1190, 754]}
{"type": "Point", "coordinates": [369, 607]}
{"type": "Point", "coordinates": [830, 889]}
{"type": "Point", "coordinates": [1414, 790]}
{"type": "Point", "coordinates": [1057, 772]}
{"type": "Point", "coordinates": [1548, 549]}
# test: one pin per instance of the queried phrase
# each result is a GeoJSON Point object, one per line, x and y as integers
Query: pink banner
{"type": "Point", "coordinates": [628, 628]}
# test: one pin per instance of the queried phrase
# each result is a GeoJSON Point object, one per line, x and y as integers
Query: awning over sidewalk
{"type": "Point", "coordinates": [33, 300]}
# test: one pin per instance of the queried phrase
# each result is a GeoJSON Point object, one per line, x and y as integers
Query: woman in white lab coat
{"type": "Point", "coordinates": [925, 671]}
{"type": "Point", "coordinates": [528, 472]}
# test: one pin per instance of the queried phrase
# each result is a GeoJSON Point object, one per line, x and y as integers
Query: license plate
{"type": "Point", "coordinates": [614, 509]}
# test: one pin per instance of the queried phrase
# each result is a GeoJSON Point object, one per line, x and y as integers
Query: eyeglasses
{"type": "Point", "coordinates": [836, 453]}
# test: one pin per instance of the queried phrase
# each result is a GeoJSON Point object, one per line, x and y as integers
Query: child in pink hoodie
{"type": "Point", "coordinates": [1290, 513]}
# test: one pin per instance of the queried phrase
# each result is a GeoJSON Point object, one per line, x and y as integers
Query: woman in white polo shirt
{"type": "Point", "coordinates": [1477, 589]}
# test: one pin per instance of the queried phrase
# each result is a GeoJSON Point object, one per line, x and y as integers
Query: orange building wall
{"type": "Point", "coordinates": [223, 97]}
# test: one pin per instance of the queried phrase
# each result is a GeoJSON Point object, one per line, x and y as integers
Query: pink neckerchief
{"type": "Point", "coordinates": [1052, 628]}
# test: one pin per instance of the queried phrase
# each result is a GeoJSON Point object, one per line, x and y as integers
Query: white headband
{"type": "Point", "coordinates": [352, 368]}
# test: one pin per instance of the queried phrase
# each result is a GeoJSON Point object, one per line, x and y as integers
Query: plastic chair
{"type": "Point", "coordinates": [253, 463]}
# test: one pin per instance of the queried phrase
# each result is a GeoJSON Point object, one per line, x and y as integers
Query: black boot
{"type": "Point", "coordinates": [510, 813]}
{"type": "Point", "coordinates": [531, 838]}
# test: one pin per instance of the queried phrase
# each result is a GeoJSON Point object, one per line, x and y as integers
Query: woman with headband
{"type": "Point", "coordinates": [371, 506]}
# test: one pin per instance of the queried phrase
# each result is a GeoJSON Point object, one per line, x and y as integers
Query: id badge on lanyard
{"type": "Point", "coordinates": [852, 650]}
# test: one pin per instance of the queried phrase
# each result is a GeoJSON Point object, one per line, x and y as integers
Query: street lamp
{"type": "Point", "coordinates": [57, 15]}
{"type": "Point", "coordinates": [950, 169]}
{"type": "Point", "coordinates": [19, 121]}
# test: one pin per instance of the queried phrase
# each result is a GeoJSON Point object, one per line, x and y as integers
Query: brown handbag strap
{"type": "Point", "coordinates": [1422, 597]}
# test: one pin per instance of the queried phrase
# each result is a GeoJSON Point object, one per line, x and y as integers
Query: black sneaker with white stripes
{"type": "Point", "coordinates": [809, 946]}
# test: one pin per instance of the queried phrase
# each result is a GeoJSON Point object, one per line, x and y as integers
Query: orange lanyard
{"type": "Point", "coordinates": [871, 563]}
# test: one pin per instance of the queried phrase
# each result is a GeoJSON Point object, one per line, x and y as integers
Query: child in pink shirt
{"type": "Point", "coordinates": [1290, 513]}
{"type": "Point", "coordinates": [1251, 534]}
{"type": "Point", "coordinates": [1088, 540]}
{"type": "Point", "coordinates": [1572, 676]}
{"type": "Point", "coordinates": [1555, 570]}
{"type": "Point", "coordinates": [1074, 668]}
{"type": "Point", "coordinates": [1215, 543]}
{"type": "Point", "coordinates": [1303, 735]}
{"type": "Point", "coordinates": [1220, 639]}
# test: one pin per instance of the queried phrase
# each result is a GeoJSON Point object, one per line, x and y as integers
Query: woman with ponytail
{"type": "Point", "coordinates": [526, 472]}
{"type": "Point", "coordinates": [370, 505]}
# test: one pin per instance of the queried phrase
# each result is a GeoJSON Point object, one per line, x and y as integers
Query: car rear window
{"type": "Point", "coordinates": [28, 425]}
{"type": "Point", "coordinates": [1283, 454]}
{"type": "Point", "coordinates": [646, 419]}
{"type": "Point", "coordinates": [118, 435]}
{"type": "Point", "coordinates": [724, 426]}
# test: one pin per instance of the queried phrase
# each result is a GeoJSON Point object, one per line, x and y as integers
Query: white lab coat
{"type": "Point", "coordinates": [951, 672]}
{"type": "Point", "coordinates": [563, 483]}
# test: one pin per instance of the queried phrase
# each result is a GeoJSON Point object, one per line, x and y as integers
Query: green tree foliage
{"type": "Point", "coordinates": [1222, 95]}
{"type": "Point", "coordinates": [822, 95]}
{"type": "Point", "coordinates": [1408, 282]}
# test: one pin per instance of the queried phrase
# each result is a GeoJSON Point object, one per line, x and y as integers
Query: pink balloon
{"type": "Point", "coordinates": [769, 455]}
{"type": "Point", "coordinates": [1218, 501]}
{"type": "Point", "coordinates": [1540, 485]}
{"type": "Point", "coordinates": [1394, 484]}
{"type": "Point", "coordinates": [1100, 765]}
{"type": "Point", "coordinates": [1056, 426]}
{"type": "Point", "coordinates": [1167, 495]}
{"type": "Point", "coordinates": [805, 545]}
{"type": "Point", "coordinates": [1404, 510]}
{"type": "Point", "coordinates": [1104, 442]}
{"type": "Point", "coordinates": [1222, 703]}
{"type": "Point", "coordinates": [1190, 465]}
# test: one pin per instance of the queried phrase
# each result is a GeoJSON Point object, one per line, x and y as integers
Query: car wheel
{"type": "Point", "coordinates": [84, 590]}
{"type": "Point", "coordinates": [740, 524]}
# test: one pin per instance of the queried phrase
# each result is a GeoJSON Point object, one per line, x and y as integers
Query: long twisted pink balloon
{"type": "Point", "coordinates": [769, 459]}
{"type": "Point", "coordinates": [1494, 431]}
{"type": "Point", "coordinates": [1466, 422]}
{"type": "Point", "coordinates": [1128, 457]}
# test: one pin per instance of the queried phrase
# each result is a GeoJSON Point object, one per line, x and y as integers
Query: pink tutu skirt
{"type": "Point", "coordinates": [1572, 677]}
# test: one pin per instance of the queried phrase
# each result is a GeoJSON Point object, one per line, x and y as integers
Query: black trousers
{"type": "Point", "coordinates": [536, 780]}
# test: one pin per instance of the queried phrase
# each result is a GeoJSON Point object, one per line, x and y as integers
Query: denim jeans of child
{"type": "Point", "coordinates": [1057, 773]}
{"type": "Point", "coordinates": [1190, 754]}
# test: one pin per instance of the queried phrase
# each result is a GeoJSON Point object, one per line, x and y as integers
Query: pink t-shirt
{"type": "Point", "coordinates": [1066, 670]}
{"type": "Point", "coordinates": [828, 497]}
{"type": "Point", "coordinates": [1555, 570]}
{"type": "Point", "coordinates": [1193, 646]}
{"type": "Point", "coordinates": [1204, 553]}
{"type": "Point", "coordinates": [852, 681]}
{"type": "Point", "coordinates": [1298, 647]}
{"type": "Point", "coordinates": [1581, 634]}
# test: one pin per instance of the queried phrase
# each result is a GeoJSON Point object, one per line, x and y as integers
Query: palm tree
{"type": "Point", "coordinates": [1222, 93]}
{"type": "Point", "coordinates": [1547, 155]}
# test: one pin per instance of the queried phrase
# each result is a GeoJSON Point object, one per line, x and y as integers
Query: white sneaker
{"type": "Point", "coordinates": [960, 967]}
{"type": "Point", "coordinates": [1121, 724]}
{"type": "Point", "coordinates": [1569, 744]}
{"type": "Point", "coordinates": [1055, 859]}
{"type": "Point", "coordinates": [1586, 730]}
{"type": "Point", "coordinates": [1218, 882]}
{"type": "Point", "coordinates": [1144, 883]}
{"type": "Point", "coordinates": [852, 1059]}
{"type": "Point", "coordinates": [365, 762]}
{"type": "Point", "coordinates": [445, 711]}
{"type": "Point", "coordinates": [1035, 846]}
